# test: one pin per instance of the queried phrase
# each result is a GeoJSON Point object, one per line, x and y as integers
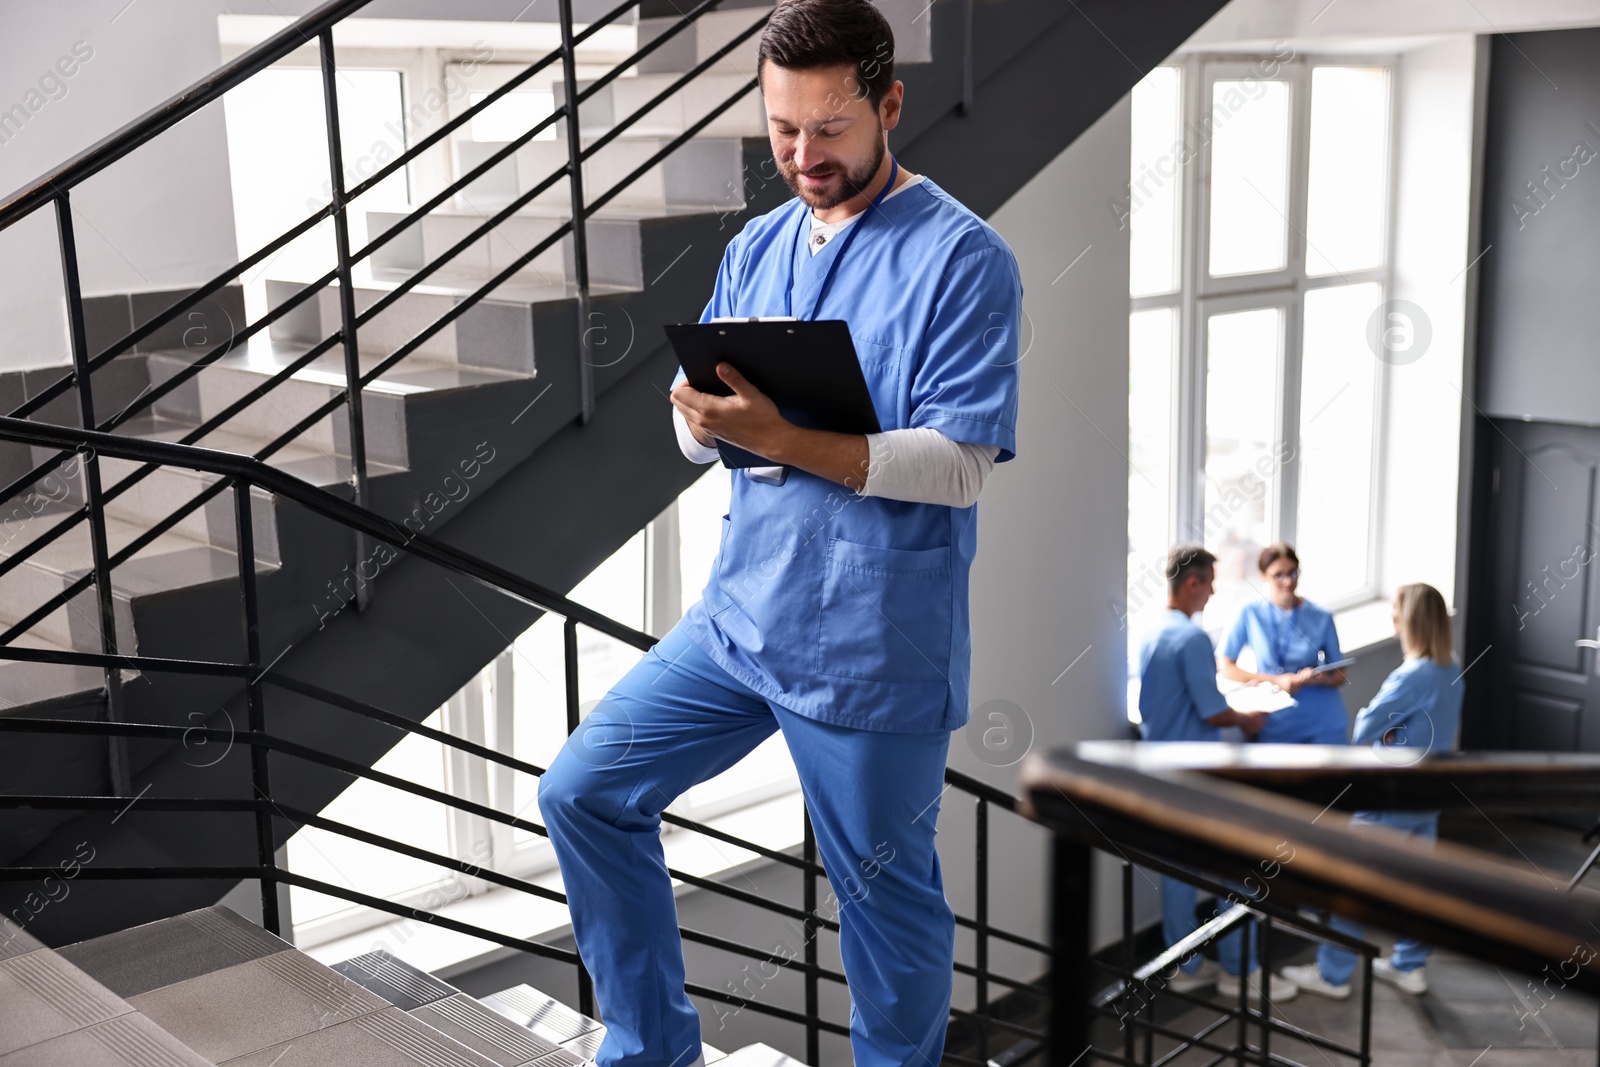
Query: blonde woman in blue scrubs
{"type": "Point", "coordinates": [1290, 637]}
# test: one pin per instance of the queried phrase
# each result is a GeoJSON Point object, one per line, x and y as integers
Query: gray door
{"type": "Point", "coordinates": [1545, 596]}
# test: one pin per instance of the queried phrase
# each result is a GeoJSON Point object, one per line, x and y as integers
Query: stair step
{"type": "Point", "coordinates": [623, 96]}
{"type": "Point", "coordinates": [613, 247]}
{"type": "Point", "coordinates": [547, 1017]}
{"type": "Point", "coordinates": [694, 44]}
{"type": "Point", "coordinates": [172, 561]}
{"type": "Point", "coordinates": [492, 1035]}
{"type": "Point", "coordinates": [127, 1041]}
{"type": "Point", "coordinates": [704, 174]}
{"type": "Point", "coordinates": [395, 980]}
{"type": "Point", "coordinates": [45, 997]}
{"type": "Point", "coordinates": [142, 958]}
{"type": "Point", "coordinates": [759, 1055]}
{"type": "Point", "coordinates": [495, 333]}
{"type": "Point", "coordinates": [387, 1037]}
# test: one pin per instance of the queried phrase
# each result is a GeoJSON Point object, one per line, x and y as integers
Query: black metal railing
{"type": "Point", "coordinates": [1227, 810]}
{"type": "Point", "coordinates": [54, 190]}
{"type": "Point", "coordinates": [267, 807]}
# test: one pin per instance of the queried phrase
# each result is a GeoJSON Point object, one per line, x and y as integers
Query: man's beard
{"type": "Point", "coordinates": [853, 183]}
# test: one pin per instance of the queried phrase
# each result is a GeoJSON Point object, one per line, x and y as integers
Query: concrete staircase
{"type": "Point", "coordinates": [209, 988]}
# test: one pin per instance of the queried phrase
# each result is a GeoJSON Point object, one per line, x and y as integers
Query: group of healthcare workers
{"type": "Point", "coordinates": [1295, 648]}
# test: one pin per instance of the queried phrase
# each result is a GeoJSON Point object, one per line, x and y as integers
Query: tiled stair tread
{"type": "Point", "coordinates": [305, 461]}
{"type": "Point", "coordinates": [127, 1041]}
{"type": "Point", "coordinates": [586, 1046]}
{"type": "Point", "coordinates": [385, 1038]}
{"type": "Point", "coordinates": [29, 687]}
{"type": "Point", "coordinates": [395, 980]}
{"type": "Point", "coordinates": [711, 1054]}
{"type": "Point", "coordinates": [612, 212]}
{"type": "Point", "coordinates": [414, 374]}
{"type": "Point", "coordinates": [250, 1006]}
{"type": "Point", "coordinates": [15, 941]}
{"type": "Point", "coordinates": [485, 1031]}
{"type": "Point", "coordinates": [142, 958]}
{"type": "Point", "coordinates": [45, 996]}
{"type": "Point", "coordinates": [544, 1015]}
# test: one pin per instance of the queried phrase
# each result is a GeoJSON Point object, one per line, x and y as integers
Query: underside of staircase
{"type": "Point", "coordinates": [475, 438]}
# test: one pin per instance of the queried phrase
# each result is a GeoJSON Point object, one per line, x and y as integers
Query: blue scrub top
{"type": "Point", "coordinates": [1418, 708]}
{"type": "Point", "coordinates": [1178, 682]}
{"type": "Point", "coordinates": [1285, 642]}
{"type": "Point", "coordinates": [853, 610]}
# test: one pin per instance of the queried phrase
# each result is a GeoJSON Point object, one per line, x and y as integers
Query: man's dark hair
{"type": "Point", "coordinates": [1185, 560]}
{"type": "Point", "coordinates": [806, 34]}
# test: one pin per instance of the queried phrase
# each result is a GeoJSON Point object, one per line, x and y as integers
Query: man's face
{"type": "Point", "coordinates": [1201, 585]}
{"type": "Point", "coordinates": [827, 138]}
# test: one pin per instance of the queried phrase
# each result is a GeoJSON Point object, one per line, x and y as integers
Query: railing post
{"type": "Point", "coordinates": [117, 769]}
{"type": "Point", "coordinates": [1264, 955]}
{"type": "Point", "coordinates": [347, 300]}
{"type": "Point", "coordinates": [980, 848]}
{"type": "Point", "coordinates": [1071, 902]}
{"type": "Point", "coordinates": [1366, 1010]}
{"type": "Point", "coordinates": [964, 108]}
{"type": "Point", "coordinates": [808, 852]}
{"type": "Point", "coordinates": [266, 851]}
{"type": "Point", "coordinates": [569, 658]}
{"type": "Point", "coordinates": [580, 243]}
{"type": "Point", "coordinates": [1130, 956]}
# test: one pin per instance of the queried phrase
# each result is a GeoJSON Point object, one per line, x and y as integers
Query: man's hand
{"type": "Point", "coordinates": [748, 418]}
{"type": "Point", "coordinates": [1251, 722]}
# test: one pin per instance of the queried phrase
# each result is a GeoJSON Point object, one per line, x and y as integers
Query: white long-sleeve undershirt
{"type": "Point", "coordinates": [918, 464]}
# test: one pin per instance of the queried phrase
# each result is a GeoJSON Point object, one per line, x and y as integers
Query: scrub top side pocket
{"type": "Point", "coordinates": [885, 613]}
{"type": "Point", "coordinates": [716, 598]}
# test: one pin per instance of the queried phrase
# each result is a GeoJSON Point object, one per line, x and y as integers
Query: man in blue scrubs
{"type": "Point", "coordinates": [837, 609]}
{"type": "Point", "coordinates": [1179, 701]}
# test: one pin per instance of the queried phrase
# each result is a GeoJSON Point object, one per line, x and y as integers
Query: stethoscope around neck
{"type": "Point", "coordinates": [827, 278]}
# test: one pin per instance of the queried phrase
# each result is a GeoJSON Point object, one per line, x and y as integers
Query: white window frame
{"type": "Point", "coordinates": [1198, 295]}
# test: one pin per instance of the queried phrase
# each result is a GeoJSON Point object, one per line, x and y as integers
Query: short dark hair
{"type": "Point", "coordinates": [806, 34]}
{"type": "Point", "coordinates": [1273, 553]}
{"type": "Point", "coordinates": [1184, 560]}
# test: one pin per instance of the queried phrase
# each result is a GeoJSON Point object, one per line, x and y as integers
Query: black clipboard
{"type": "Point", "coordinates": [809, 369]}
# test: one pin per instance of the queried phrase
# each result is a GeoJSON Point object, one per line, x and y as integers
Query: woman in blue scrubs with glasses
{"type": "Point", "coordinates": [1290, 637]}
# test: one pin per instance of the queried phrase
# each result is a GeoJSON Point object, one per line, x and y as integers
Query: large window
{"type": "Point", "coordinates": [1258, 210]}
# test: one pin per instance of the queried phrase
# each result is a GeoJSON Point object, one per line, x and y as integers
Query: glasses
{"type": "Point", "coordinates": [1286, 576]}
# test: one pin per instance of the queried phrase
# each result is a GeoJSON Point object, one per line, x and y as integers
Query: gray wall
{"type": "Point", "coordinates": [1539, 354]}
{"type": "Point", "coordinates": [162, 217]}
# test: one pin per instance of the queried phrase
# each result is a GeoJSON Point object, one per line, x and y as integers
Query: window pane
{"type": "Point", "coordinates": [1152, 336]}
{"type": "Point", "coordinates": [1337, 393]}
{"type": "Point", "coordinates": [511, 116]}
{"type": "Point", "coordinates": [1242, 452]}
{"type": "Point", "coordinates": [380, 809]}
{"type": "Point", "coordinates": [1154, 183]}
{"type": "Point", "coordinates": [1249, 176]}
{"type": "Point", "coordinates": [1349, 168]}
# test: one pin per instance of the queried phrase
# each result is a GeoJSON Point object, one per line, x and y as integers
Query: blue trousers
{"type": "Point", "coordinates": [1178, 921]}
{"type": "Point", "coordinates": [677, 719]}
{"type": "Point", "coordinates": [1338, 964]}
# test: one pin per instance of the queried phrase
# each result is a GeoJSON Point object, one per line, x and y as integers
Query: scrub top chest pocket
{"type": "Point", "coordinates": [885, 613]}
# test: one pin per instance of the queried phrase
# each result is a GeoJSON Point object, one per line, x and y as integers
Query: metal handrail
{"type": "Point", "coordinates": [243, 474]}
{"type": "Point", "coordinates": [1227, 809]}
{"type": "Point", "coordinates": [348, 395]}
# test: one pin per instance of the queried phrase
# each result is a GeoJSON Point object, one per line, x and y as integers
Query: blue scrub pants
{"type": "Point", "coordinates": [1178, 921]}
{"type": "Point", "coordinates": [677, 719]}
{"type": "Point", "coordinates": [1318, 718]}
{"type": "Point", "coordinates": [1337, 964]}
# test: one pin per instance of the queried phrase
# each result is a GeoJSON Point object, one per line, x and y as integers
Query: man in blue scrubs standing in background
{"type": "Point", "coordinates": [837, 610]}
{"type": "Point", "coordinates": [1179, 701]}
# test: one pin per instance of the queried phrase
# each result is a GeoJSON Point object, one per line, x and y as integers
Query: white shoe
{"type": "Point", "coordinates": [1413, 982]}
{"type": "Point", "coordinates": [1279, 990]}
{"type": "Point", "coordinates": [1308, 976]}
{"type": "Point", "coordinates": [1179, 982]}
